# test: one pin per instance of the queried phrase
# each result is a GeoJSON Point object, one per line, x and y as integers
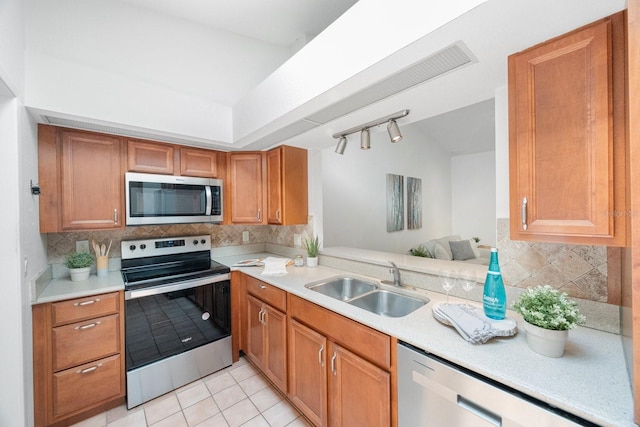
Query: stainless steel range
{"type": "Point", "coordinates": [178, 320]}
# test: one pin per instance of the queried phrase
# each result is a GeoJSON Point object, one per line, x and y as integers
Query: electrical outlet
{"type": "Point", "coordinates": [245, 236]}
{"type": "Point", "coordinates": [82, 246]}
{"type": "Point", "coordinates": [297, 240]}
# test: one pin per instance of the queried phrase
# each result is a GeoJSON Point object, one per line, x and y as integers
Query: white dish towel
{"type": "Point", "coordinates": [471, 327]}
{"type": "Point", "coordinates": [274, 266]}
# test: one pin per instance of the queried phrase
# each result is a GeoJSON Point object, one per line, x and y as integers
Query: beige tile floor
{"type": "Point", "coordinates": [236, 396]}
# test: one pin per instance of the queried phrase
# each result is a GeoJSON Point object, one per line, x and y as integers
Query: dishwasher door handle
{"type": "Point", "coordinates": [480, 411]}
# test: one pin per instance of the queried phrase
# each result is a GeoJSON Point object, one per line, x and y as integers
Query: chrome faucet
{"type": "Point", "coordinates": [396, 274]}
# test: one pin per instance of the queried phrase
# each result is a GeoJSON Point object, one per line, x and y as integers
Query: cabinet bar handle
{"type": "Point", "coordinates": [91, 369]}
{"type": "Point", "coordinates": [115, 216]}
{"type": "Point", "coordinates": [320, 355]}
{"type": "Point", "coordinates": [524, 213]}
{"type": "Point", "coordinates": [259, 215]}
{"type": "Point", "coordinates": [480, 411]}
{"type": "Point", "coordinates": [93, 301]}
{"type": "Point", "coordinates": [333, 363]}
{"type": "Point", "coordinates": [278, 214]}
{"type": "Point", "coordinates": [261, 286]}
{"type": "Point", "coordinates": [89, 326]}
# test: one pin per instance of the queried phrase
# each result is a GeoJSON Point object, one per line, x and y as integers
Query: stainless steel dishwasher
{"type": "Point", "coordinates": [435, 393]}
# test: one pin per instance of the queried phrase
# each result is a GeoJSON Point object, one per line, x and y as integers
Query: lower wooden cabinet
{"type": "Point", "coordinates": [78, 358]}
{"type": "Point", "coordinates": [267, 340]}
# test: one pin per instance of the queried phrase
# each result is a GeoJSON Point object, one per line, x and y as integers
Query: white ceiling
{"type": "Point", "coordinates": [281, 22]}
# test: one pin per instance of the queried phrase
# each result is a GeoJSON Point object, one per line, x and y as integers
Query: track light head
{"type": "Point", "coordinates": [394, 131]}
{"type": "Point", "coordinates": [342, 144]}
{"type": "Point", "coordinates": [365, 139]}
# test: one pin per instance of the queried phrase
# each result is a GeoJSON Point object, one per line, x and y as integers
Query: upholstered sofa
{"type": "Point", "coordinates": [454, 248]}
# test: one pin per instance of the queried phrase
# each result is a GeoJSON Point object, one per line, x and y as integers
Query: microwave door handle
{"type": "Point", "coordinates": [207, 191]}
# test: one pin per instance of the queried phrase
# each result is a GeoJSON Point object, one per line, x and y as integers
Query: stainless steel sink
{"type": "Point", "coordinates": [368, 296]}
{"type": "Point", "coordinates": [343, 288]}
{"type": "Point", "coordinates": [388, 304]}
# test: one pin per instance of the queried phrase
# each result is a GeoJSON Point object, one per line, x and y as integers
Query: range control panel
{"type": "Point", "coordinates": [166, 246]}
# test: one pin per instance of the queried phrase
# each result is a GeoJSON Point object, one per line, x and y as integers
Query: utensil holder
{"type": "Point", "coordinates": [102, 265]}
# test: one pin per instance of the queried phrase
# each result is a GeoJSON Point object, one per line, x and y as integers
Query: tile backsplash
{"type": "Point", "coordinates": [578, 270]}
{"type": "Point", "coordinates": [59, 245]}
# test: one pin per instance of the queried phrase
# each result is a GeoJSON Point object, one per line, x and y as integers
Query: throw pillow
{"type": "Point", "coordinates": [461, 250]}
{"type": "Point", "coordinates": [441, 253]}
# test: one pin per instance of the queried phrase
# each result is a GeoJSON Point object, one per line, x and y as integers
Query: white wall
{"type": "Point", "coordinates": [502, 152]}
{"type": "Point", "coordinates": [473, 201]}
{"type": "Point", "coordinates": [108, 61]}
{"type": "Point", "coordinates": [354, 191]}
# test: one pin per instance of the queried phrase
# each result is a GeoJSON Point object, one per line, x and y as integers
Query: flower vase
{"type": "Point", "coordinates": [312, 261]}
{"type": "Point", "coordinates": [546, 342]}
{"type": "Point", "coordinates": [79, 274]}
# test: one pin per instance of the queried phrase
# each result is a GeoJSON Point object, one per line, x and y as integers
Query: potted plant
{"type": "Point", "coordinates": [79, 265]}
{"type": "Point", "coordinates": [548, 316]}
{"type": "Point", "coordinates": [312, 246]}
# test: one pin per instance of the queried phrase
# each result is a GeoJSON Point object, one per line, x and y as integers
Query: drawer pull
{"type": "Point", "coordinates": [83, 303]}
{"type": "Point", "coordinates": [89, 326]}
{"type": "Point", "coordinates": [261, 286]}
{"type": "Point", "coordinates": [91, 369]}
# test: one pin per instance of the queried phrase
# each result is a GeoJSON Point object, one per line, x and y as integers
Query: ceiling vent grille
{"type": "Point", "coordinates": [437, 64]}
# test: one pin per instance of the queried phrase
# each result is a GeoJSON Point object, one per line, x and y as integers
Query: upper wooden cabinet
{"type": "Point", "coordinates": [150, 157]}
{"type": "Point", "coordinates": [287, 188]}
{"type": "Point", "coordinates": [167, 159]}
{"type": "Point", "coordinates": [567, 154]}
{"type": "Point", "coordinates": [81, 180]}
{"type": "Point", "coordinates": [246, 187]}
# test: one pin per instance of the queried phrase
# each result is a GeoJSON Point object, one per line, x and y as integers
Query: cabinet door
{"type": "Point", "coordinates": [92, 182]}
{"type": "Point", "coordinates": [149, 157]}
{"type": "Point", "coordinates": [197, 162]}
{"type": "Point", "coordinates": [566, 124]}
{"type": "Point", "coordinates": [247, 187]}
{"type": "Point", "coordinates": [359, 392]}
{"type": "Point", "coordinates": [275, 367]}
{"type": "Point", "coordinates": [274, 187]}
{"type": "Point", "coordinates": [287, 186]}
{"type": "Point", "coordinates": [308, 372]}
{"type": "Point", "coordinates": [255, 333]}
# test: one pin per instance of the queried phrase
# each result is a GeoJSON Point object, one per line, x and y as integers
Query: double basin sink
{"type": "Point", "coordinates": [369, 296]}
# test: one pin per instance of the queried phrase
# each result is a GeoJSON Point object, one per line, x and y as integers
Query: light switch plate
{"type": "Point", "coordinates": [245, 236]}
{"type": "Point", "coordinates": [82, 246]}
{"type": "Point", "coordinates": [297, 240]}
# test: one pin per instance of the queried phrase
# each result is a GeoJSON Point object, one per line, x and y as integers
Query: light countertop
{"type": "Point", "coordinates": [590, 380]}
{"type": "Point", "coordinates": [63, 288]}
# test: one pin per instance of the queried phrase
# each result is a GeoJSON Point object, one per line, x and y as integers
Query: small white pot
{"type": "Point", "coordinates": [312, 261]}
{"type": "Point", "coordinates": [546, 342]}
{"type": "Point", "coordinates": [79, 274]}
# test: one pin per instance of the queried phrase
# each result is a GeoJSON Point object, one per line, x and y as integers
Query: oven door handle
{"type": "Point", "coordinates": [187, 284]}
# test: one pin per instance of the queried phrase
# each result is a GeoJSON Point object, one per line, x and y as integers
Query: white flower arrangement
{"type": "Point", "coordinates": [548, 308]}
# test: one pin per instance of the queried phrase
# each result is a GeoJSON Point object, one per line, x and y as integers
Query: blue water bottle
{"type": "Point", "coordinates": [494, 297]}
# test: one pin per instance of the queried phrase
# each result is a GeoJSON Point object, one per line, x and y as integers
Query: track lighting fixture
{"type": "Point", "coordinates": [365, 136]}
{"type": "Point", "coordinates": [342, 144]}
{"type": "Point", "coordinates": [394, 131]}
{"type": "Point", "coordinates": [365, 140]}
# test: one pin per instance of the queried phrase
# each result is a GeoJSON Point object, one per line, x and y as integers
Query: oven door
{"type": "Point", "coordinates": [165, 321]}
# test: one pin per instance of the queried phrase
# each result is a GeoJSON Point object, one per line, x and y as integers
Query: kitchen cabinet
{"type": "Point", "coordinates": [78, 358]}
{"type": "Point", "coordinates": [339, 370]}
{"type": "Point", "coordinates": [567, 153]}
{"type": "Point", "coordinates": [267, 330]}
{"type": "Point", "coordinates": [81, 180]}
{"type": "Point", "coordinates": [150, 157]}
{"type": "Point", "coordinates": [198, 162]}
{"type": "Point", "coordinates": [246, 183]}
{"type": "Point", "coordinates": [287, 188]}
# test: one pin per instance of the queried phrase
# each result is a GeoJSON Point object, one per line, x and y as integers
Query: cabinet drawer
{"type": "Point", "coordinates": [86, 385]}
{"type": "Point", "coordinates": [84, 308]}
{"type": "Point", "coordinates": [85, 341]}
{"type": "Point", "coordinates": [273, 296]}
{"type": "Point", "coordinates": [366, 342]}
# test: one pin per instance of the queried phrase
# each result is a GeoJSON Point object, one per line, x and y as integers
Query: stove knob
{"type": "Point", "coordinates": [143, 246]}
{"type": "Point", "coordinates": [195, 242]}
{"type": "Point", "coordinates": [203, 241]}
{"type": "Point", "coordinates": [132, 247]}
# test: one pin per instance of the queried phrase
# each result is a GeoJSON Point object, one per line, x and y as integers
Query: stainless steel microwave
{"type": "Point", "coordinates": [168, 199]}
